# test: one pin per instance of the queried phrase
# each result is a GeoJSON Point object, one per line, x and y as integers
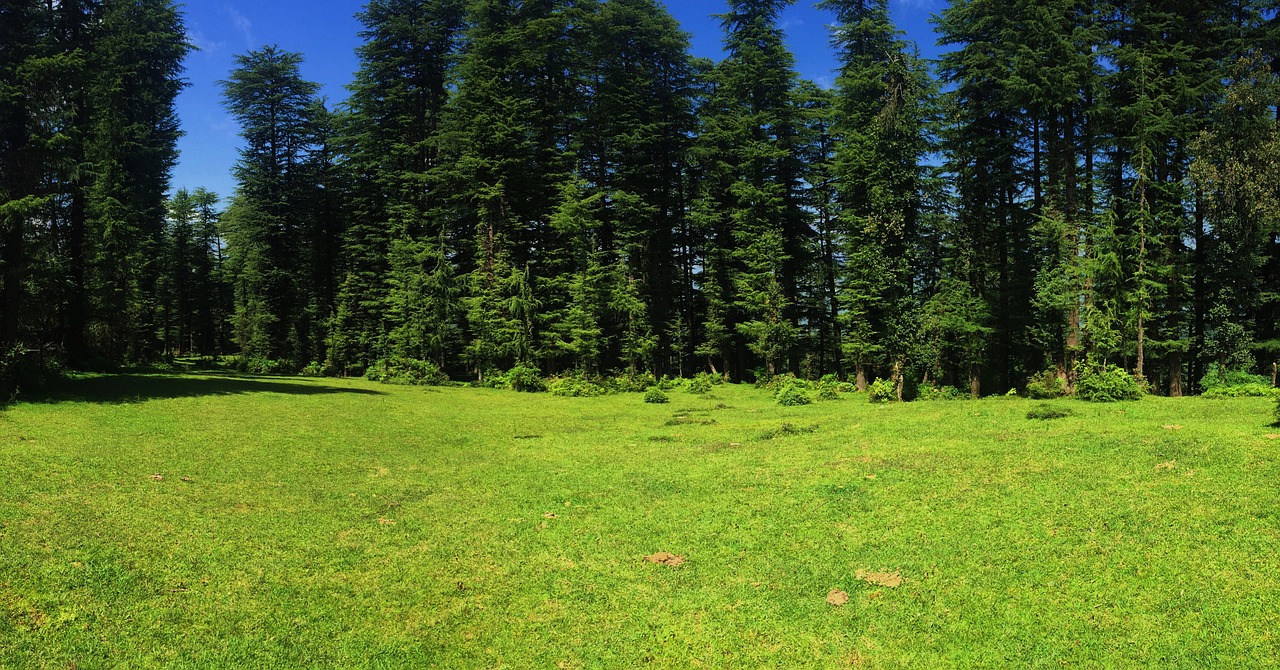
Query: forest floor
{"type": "Point", "coordinates": [224, 521]}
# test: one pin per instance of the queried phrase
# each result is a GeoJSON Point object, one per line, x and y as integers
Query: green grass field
{"type": "Point", "coordinates": [331, 523]}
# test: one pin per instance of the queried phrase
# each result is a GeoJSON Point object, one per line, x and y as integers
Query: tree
{"type": "Point", "coordinates": [271, 231]}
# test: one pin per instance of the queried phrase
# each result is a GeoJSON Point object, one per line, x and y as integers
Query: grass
{"type": "Point", "coordinates": [334, 523]}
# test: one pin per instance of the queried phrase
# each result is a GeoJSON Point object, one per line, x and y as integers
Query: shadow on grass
{"type": "Point", "coordinates": [129, 388]}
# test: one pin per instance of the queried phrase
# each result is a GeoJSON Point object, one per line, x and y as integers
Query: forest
{"type": "Point", "coordinates": [560, 186]}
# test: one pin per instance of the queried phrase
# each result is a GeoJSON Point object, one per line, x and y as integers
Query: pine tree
{"type": "Point", "coordinates": [269, 219]}
{"type": "Point", "coordinates": [881, 106]}
{"type": "Point", "coordinates": [752, 200]}
{"type": "Point", "coordinates": [399, 294]}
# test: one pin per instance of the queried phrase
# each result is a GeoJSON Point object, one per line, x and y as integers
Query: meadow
{"type": "Point", "coordinates": [212, 521]}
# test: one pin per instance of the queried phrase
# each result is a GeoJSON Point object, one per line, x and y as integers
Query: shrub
{"type": "Point", "coordinates": [667, 383]}
{"type": "Point", "coordinates": [941, 393]}
{"type": "Point", "coordinates": [26, 369]}
{"type": "Point", "coordinates": [632, 383]}
{"type": "Point", "coordinates": [1049, 412]}
{"type": "Point", "coordinates": [1219, 382]}
{"type": "Point", "coordinates": [526, 379]}
{"type": "Point", "coordinates": [574, 386]}
{"type": "Point", "coordinates": [882, 391]}
{"type": "Point", "coordinates": [1046, 385]}
{"type": "Point", "coordinates": [792, 395]}
{"type": "Point", "coordinates": [698, 385]}
{"type": "Point", "coordinates": [826, 391]}
{"type": "Point", "coordinates": [405, 371]}
{"type": "Point", "coordinates": [493, 379]}
{"type": "Point", "coordinates": [266, 366]}
{"type": "Point", "coordinates": [1108, 383]}
{"type": "Point", "coordinates": [1243, 391]}
{"type": "Point", "coordinates": [315, 369]}
{"type": "Point", "coordinates": [656, 396]}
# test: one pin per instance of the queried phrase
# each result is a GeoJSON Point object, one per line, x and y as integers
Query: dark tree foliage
{"type": "Point", "coordinates": [557, 185]}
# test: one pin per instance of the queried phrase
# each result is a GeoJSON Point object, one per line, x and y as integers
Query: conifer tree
{"type": "Point", "coordinates": [268, 222]}
{"type": "Point", "coordinates": [881, 107]}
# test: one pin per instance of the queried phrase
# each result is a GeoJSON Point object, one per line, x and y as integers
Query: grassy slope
{"type": "Point", "coordinates": [339, 523]}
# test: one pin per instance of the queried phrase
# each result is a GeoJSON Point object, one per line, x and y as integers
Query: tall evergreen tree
{"type": "Point", "coordinates": [271, 229]}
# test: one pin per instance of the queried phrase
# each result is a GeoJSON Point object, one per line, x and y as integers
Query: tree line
{"type": "Point", "coordinates": [560, 185]}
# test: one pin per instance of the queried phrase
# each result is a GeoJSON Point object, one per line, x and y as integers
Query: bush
{"type": "Point", "coordinates": [405, 371]}
{"type": "Point", "coordinates": [656, 396]}
{"type": "Point", "coordinates": [575, 387]}
{"type": "Point", "coordinates": [526, 379]}
{"type": "Point", "coordinates": [698, 385]}
{"type": "Point", "coordinates": [1243, 391]}
{"type": "Point", "coordinates": [1108, 383]}
{"type": "Point", "coordinates": [792, 395]}
{"type": "Point", "coordinates": [882, 391]}
{"type": "Point", "coordinates": [314, 369]}
{"type": "Point", "coordinates": [632, 383]}
{"type": "Point", "coordinates": [667, 383]}
{"type": "Point", "coordinates": [258, 365]}
{"type": "Point", "coordinates": [23, 369]}
{"type": "Point", "coordinates": [826, 391]}
{"type": "Point", "coordinates": [1046, 385]}
{"type": "Point", "coordinates": [493, 379]}
{"type": "Point", "coordinates": [942, 393]}
{"type": "Point", "coordinates": [1219, 382]}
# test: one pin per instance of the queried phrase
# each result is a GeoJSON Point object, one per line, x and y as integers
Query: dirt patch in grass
{"type": "Point", "coordinates": [1167, 465]}
{"type": "Point", "coordinates": [19, 612]}
{"type": "Point", "coordinates": [1173, 427]}
{"type": "Point", "coordinates": [157, 477]}
{"type": "Point", "coordinates": [891, 580]}
{"type": "Point", "coordinates": [837, 598]}
{"type": "Point", "coordinates": [665, 558]}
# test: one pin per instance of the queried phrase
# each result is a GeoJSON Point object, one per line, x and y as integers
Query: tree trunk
{"type": "Point", "coordinates": [975, 381]}
{"type": "Point", "coordinates": [861, 380]}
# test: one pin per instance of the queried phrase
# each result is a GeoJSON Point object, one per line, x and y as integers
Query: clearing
{"type": "Point", "coordinates": [223, 521]}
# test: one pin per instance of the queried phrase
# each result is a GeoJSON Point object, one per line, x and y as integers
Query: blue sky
{"type": "Point", "coordinates": [325, 32]}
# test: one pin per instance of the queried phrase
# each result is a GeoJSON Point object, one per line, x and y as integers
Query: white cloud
{"type": "Point", "coordinates": [206, 46]}
{"type": "Point", "coordinates": [242, 23]}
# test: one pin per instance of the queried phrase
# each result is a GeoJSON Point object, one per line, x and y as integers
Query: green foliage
{"type": "Point", "coordinates": [260, 365]}
{"type": "Point", "coordinates": [826, 391]}
{"type": "Point", "coordinates": [632, 383]}
{"type": "Point", "coordinates": [882, 391]}
{"type": "Point", "coordinates": [1046, 385]}
{"type": "Point", "coordinates": [656, 396]}
{"type": "Point", "coordinates": [792, 395]}
{"type": "Point", "coordinates": [932, 393]}
{"type": "Point", "coordinates": [316, 369]}
{"type": "Point", "coordinates": [23, 369]}
{"type": "Point", "coordinates": [1049, 412]}
{"type": "Point", "coordinates": [1218, 377]}
{"type": "Point", "coordinates": [405, 372]}
{"type": "Point", "coordinates": [698, 385]}
{"type": "Point", "coordinates": [526, 379]}
{"type": "Point", "coordinates": [576, 386]}
{"type": "Point", "coordinates": [1243, 391]}
{"type": "Point", "coordinates": [1108, 383]}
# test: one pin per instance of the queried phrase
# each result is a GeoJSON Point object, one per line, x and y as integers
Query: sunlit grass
{"type": "Point", "coordinates": [331, 523]}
